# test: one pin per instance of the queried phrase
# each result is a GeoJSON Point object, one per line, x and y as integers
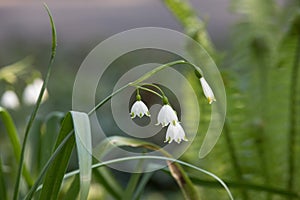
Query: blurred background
{"type": "Point", "coordinates": [81, 26]}
{"type": "Point", "coordinates": [254, 44]}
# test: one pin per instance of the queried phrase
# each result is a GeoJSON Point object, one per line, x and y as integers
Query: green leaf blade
{"type": "Point", "coordinates": [3, 193]}
{"type": "Point", "coordinates": [56, 171]}
{"type": "Point", "coordinates": [82, 130]}
{"type": "Point", "coordinates": [15, 142]}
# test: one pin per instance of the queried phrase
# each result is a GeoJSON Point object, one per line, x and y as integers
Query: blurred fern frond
{"type": "Point", "coordinates": [261, 75]}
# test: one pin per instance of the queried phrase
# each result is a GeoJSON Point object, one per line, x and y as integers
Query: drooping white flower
{"type": "Point", "coordinates": [207, 91]}
{"type": "Point", "coordinates": [166, 115]}
{"type": "Point", "coordinates": [32, 91]}
{"type": "Point", "coordinates": [175, 132]}
{"type": "Point", "coordinates": [140, 109]}
{"type": "Point", "coordinates": [10, 100]}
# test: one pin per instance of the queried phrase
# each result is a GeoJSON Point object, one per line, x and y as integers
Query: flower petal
{"type": "Point", "coordinates": [175, 132]}
{"type": "Point", "coordinates": [166, 115]}
{"type": "Point", "coordinates": [207, 91]}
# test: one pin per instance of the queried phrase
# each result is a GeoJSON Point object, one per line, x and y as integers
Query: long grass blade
{"type": "Point", "coordinates": [183, 181]}
{"type": "Point", "coordinates": [73, 190]}
{"type": "Point", "coordinates": [118, 160]}
{"type": "Point", "coordinates": [3, 193]}
{"type": "Point", "coordinates": [37, 105]}
{"type": "Point", "coordinates": [49, 136]}
{"type": "Point", "coordinates": [131, 186]}
{"type": "Point", "coordinates": [142, 184]}
{"type": "Point", "coordinates": [58, 167]}
{"type": "Point", "coordinates": [14, 139]}
{"type": "Point", "coordinates": [68, 139]}
{"type": "Point", "coordinates": [83, 136]}
{"type": "Point", "coordinates": [104, 177]}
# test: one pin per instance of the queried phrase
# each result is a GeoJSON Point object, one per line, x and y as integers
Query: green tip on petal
{"type": "Point", "coordinates": [165, 100]}
{"type": "Point", "coordinates": [167, 140]}
{"type": "Point", "coordinates": [198, 74]}
{"type": "Point", "coordinates": [132, 115]}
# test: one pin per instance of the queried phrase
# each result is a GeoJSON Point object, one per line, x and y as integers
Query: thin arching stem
{"type": "Point", "coordinates": [141, 79]}
{"type": "Point", "coordinates": [149, 90]}
{"type": "Point", "coordinates": [153, 85]}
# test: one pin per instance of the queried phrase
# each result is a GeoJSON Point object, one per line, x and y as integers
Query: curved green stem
{"type": "Point", "coordinates": [117, 160]}
{"type": "Point", "coordinates": [153, 85]}
{"type": "Point", "coordinates": [149, 90]}
{"type": "Point", "coordinates": [149, 74]}
{"type": "Point", "coordinates": [37, 105]}
{"type": "Point", "coordinates": [139, 80]}
{"type": "Point", "coordinates": [108, 98]}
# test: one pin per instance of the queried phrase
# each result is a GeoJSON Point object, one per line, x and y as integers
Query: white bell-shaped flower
{"type": "Point", "coordinates": [207, 91]}
{"type": "Point", "coordinates": [10, 100]}
{"type": "Point", "coordinates": [140, 109]}
{"type": "Point", "coordinates": [166, 115]}
{"type": "Point", "coordinates": [175, 132]}
{"type": "Point", "coordinates": [32, 91]}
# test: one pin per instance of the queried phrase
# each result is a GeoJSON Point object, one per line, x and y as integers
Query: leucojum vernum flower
{"type": "Point", "coordinates": [207, 91]}
{"type": "Point", "coordinates": [167, 116]}
{"type": "Point", "coordinates": [139, 108]}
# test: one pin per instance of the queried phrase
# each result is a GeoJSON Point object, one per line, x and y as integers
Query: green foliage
{"type": "Point", "coordinates": [192, 24]}
{"type": "Point", "coordinates": [14, 139]}
{"type": "Point", "coordinates": [82, 129]}
{"type": "Point", "coordinates": [257, 154]}
{"type": "Point", "coordinates": [261, 77]}
{"type": "Point", "coordinates": [3, 189]}
{"type": "Point", "coordinates": [55, 173]}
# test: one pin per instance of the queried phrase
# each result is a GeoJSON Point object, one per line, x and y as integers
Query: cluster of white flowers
{"type": "Point", "coordinates": [10, 99]}
{"type": "Point", "coordinates": [167, 115]}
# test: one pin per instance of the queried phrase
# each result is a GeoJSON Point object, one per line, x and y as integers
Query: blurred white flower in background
{"type": "Point", "coordinates": [10, 100]}
{"type": "Point", "coordinates": [32, 91]}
